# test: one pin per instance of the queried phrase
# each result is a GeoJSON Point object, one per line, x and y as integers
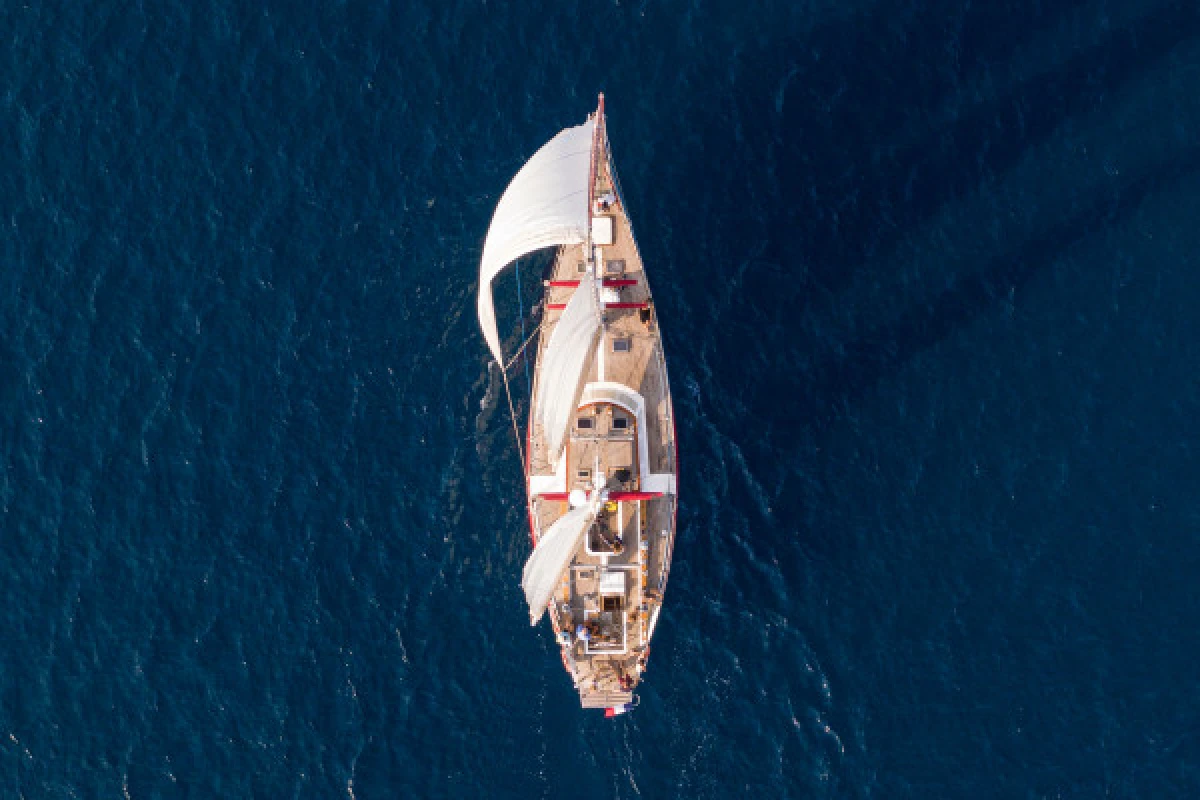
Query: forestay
{"type": "Point", "coordinates": [545, 205]}
{"type": "Point", "coordinates": [564, 365]}
{"type": "Point", "coordinates": [552, 556]}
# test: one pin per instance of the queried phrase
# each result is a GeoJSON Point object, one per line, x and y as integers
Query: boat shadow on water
{"type": "Point", "coordinates": [877, 354]}
{"type": "Point", "coordinates": [869, 151]}
{"type": "Point", "coordinates": [842, 185]}
{"type": "Point", "coordinates": [849, 189]}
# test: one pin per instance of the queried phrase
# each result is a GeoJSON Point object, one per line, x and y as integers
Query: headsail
{"type": "Point", "coordinates": [565, 363]}
{"type": "Point", "coordinates": [545, 205]}
{"type": "Point", "coordinates": [552, 556]}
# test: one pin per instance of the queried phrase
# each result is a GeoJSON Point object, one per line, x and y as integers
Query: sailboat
{"type": "Point", "coordinates": [599, 453]}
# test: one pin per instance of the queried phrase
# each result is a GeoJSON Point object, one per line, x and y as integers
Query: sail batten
{"type": "Point", "coordinates": [545, 205]}
{"type": "Point", "coordinates": [565, 362]}
{"type": "Point", "coordinates": [552, 556]}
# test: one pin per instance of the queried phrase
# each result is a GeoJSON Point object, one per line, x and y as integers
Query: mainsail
{"type": "Point", "coordinates": [552, 556]}
{"type": "Point", "coordinates": [545, 205]}
{"type": "Point", "coordinates": [564, 364]}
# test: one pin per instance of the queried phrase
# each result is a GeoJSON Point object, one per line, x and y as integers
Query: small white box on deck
{"type": "Point", "coordinates": [602, 230]}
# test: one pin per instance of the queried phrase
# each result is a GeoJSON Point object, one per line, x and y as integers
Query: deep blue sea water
{"type": "Point", "coordinates": [927, 273]}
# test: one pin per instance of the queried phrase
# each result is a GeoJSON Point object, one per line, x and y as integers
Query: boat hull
{"type": "Point", "coordinates": [622, 443]}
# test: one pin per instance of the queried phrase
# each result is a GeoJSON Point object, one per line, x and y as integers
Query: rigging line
{"type": "Point", "coordinates": [517, 354]}
{"type": "Point", "coordinates": [516, 433]}
{"type": "Point", "coordinates": [521, 312]}
{"type": "Point", "coordinates": [512, 412]}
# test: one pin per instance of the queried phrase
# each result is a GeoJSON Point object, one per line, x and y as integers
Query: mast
{"type": "Point", "coordinates": [597, 275]}
{"type": "Point", "coordinates": [591, 193]}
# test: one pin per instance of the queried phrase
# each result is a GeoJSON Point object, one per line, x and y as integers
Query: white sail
{"type": "Point", "coordinates": [545, 205]}
{"type": "Point", "coordinates": [565, 363]}
{"type": "Point", "coordinates": [552, 556]}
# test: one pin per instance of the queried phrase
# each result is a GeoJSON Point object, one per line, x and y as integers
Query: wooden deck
{"type": "Point", "coordinates": [634, 539]}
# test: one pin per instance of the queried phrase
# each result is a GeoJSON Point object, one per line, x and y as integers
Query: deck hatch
{"type": "Point", "coordinates": [602, 230]}
{"type": "Point", "coordinates": [612, 583]}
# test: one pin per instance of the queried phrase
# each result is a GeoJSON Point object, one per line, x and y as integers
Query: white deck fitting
{"type": "Point", "coordinates": [602, 231]}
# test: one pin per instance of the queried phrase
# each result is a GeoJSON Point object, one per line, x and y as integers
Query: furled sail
{"type": "Point", "coordinates": [545, 205]}
{"type": "Point", "coordinates": [552, 556]}
{"type": "Point", "coordinates": [565, 363]}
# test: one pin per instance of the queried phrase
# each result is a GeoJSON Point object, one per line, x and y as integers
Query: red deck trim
{"type": "Point", "coordinates": [620, 497]}
{"type": "Point", "coordinates": [607, 282]}
{"type": "Point", "coordinates": [630, 497]}
{"type": "Point", "coordinates": [561, 306]}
